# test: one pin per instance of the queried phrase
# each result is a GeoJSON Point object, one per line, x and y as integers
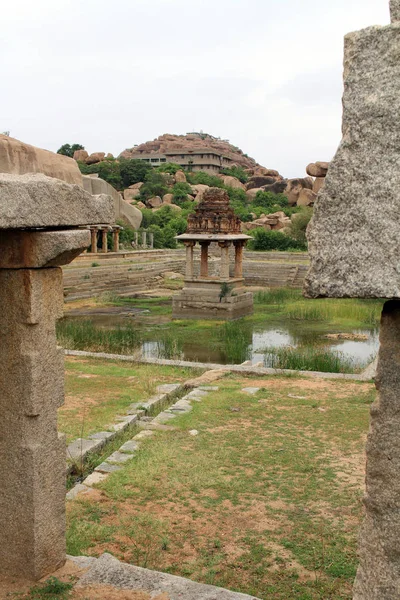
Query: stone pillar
{"type": "Point", "coordinates": [189, 259]}
{"type": "Point", "coordinates": [378, 576]}
{"type": "Point", "coordinates": [32, 453]}
{"type": "Point", "coordinates": [136, 239]}
{"type": "Point", "coordinates": [151, 240]}
{"type": "Point", "coordinates": [204, 259]}
{"type": "Point", "coordinates": [93, 239]}
{"type": "Point", "coordinates": [224, 270]}
{"type": "Point", "coordinates": [104, 232]}
{"type": "Point", "coordinates": [144, 239]}
{"type": "Point", "coordinates": [239, 259]}
{"type": "Point", "coordinates": [394, 10]}
{"type": "Point", "coordinates": [116, 239]}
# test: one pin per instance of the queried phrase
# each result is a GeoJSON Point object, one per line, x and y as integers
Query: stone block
{"type": "Point", "coordinates": [354, 235]}
{"type": "Point", "coordinates": [34, 200]}
{"type": "Point", "coordinates": [107, 467]}
{"type": "Point", "coordinates": [394, 10]}
{"type": "Point", "coordinates": [119, 457]}
{"type": "Point", "coordinates": [130, 446]}
{"type": "Point", "coordinates": [94, 478]}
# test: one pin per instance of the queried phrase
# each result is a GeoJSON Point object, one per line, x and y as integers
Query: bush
{"type": "Point", "coordinates": [269, 201]}
{"type": "Point", "coordinates": [180, 192]}
{"type": "Point", "coordinates": [171, 168]}
{"type": "Point", "coordinates": [238, 201]}
{"type": "Point", "coordinates": [299, 224]}
{"type": "Point", "coordinates": [109, 170]}
{"type": "Point", "coordinates": [154, 185]}
{"type": "Point", "coordinates": [133, 171]}
{"type": "Point", "coordinates": [273, 240]}
{"type": "Point", "coordinates": [237, 172]}
{"type": "Point", "coordinates": [204, 178]}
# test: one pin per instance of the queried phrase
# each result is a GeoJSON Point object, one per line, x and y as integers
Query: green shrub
{"type": "Point", "coordinates": [180, 192]}
{"type": "Point", "coordinates": [273, 240]}
{"type": "Point", "coordinates": [133, 171]}
{"type": "Point", "coordinates": [268, 201]}
{"type": "Point", "coordinates": [237, 172]}
{"type": "Point", "coordinates": [171, 168]}
{"type": "Point", "coordinates": [154, 185]}
{"type": "Point", "coordinates": [299, 224]}
{"type": "Point", "coordinates": [109, 170]}
{"type": "Point", "coordinates": [202, 177]}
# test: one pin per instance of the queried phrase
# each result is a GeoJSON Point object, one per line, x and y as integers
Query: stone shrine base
{"type": "Point", "coordinates": [201, 299]}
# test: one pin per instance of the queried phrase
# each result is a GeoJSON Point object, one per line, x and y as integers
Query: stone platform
{"type": "Point", "coordinates": [202, 298]}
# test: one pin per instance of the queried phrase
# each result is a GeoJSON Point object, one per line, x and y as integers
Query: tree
{"type": "Point", "coordinates": [154, 185]}
{"type": "Point", "coordinates": [133, 171]}
{"type": "Point", "coordinates": [68, 150]}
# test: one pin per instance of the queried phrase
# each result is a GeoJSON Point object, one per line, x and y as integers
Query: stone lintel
{"type": "Point", "coordinates": [38, 249]}
{"type": "Point", "coordinates": [34, 200]}
{"type": "Point", "coordinates": [213, 237]}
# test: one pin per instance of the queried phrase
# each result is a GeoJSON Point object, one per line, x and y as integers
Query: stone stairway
{"type": "Point", "coordinates": [127, 273]}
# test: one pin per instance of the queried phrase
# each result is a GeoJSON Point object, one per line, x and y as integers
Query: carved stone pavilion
{"type": "Point", "coordinates": [217, 295]}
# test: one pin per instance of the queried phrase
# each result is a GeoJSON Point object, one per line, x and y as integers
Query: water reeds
{"type": "Point", "coordinates": [84, 335]}
{"type": "Point", "coordinates": [308, 358]}
{"type": "Point", "coordinates": [236, 337]}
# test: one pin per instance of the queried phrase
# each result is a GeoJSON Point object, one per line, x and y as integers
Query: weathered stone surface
{"type": "Point", "coordinates": [32, 454]}
{"type": "Point", "coordinates": [233, 182]}
{"type": "Point", "coordinates": [34, 200]}
{"type": "Point", "coordinates": [19, 158]}
{"type": "Point", "coordinates": [81, 155]}
{"type": "Point", "coordinates": [354, 235]}
{"type": "Point", "coordinates": [34, 249]}
{"type": "Point", "coordinates": [318, 183]}
{"type": "Point", "coordinates": [394, 10]}
{"type": "Point", "coordinates": [130, 195]}
{"type": "Point", "coordinates": [154, 202]}
{"type": "Point", "coordinates": [180, 177]}
{"type": "Point", "coordinates": [95, 157]}
{"type": "Point", "coordinates": [306, 197]}
{"type": "Point", "coordinates": [168, 198]}
{"type": "Point", "coordinates": [107, 570]}
{"type": "Point", "coordinates": [318, 169]}
{"type": "Point", "coordinates": [378, 576]}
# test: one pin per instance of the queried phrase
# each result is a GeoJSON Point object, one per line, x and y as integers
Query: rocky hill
{"type": "Point", "coordinates": [168, 142]}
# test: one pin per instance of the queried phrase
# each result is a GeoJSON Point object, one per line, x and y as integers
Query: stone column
{"type": "Point", "coordinates": [239, 258]}
{"type": "Point", "coordinates": [189, 259]}
{"type": "Point", "coordinates": [32, 453]}
{"type": "Point", "coordinates": [104, 247]}
{"type": "Point", "coordinates": [204, 259]}
{"type": "Point", "coordinates": [144, 239]}
{"type": "Point", "coordinates": [116, 231]}
{"type": "Point", "coordinates": [93, 239]}
{"type": "Point", "coordinates": [151, 240]}
{"type": "Point", "coordinates": [136, 239]}
{"type": "Point", "coordinates": [394, 10]}
{"type": "Point", "coordinates": [378, 576]}
{"type": "Point", "coordinates": [224, 270]}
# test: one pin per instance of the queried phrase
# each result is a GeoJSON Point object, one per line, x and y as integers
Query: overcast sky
{"type": "Point", "coordinates": [265, 74]}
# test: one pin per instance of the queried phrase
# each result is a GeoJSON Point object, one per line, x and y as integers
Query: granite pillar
{"type": "Point", "coordinates": [224, 269]}
{"type": "Point", "coordinates": [104, 245]}
{"type": "Point", "coordinates": [204, 259]}
{"type": "Point", "coordinates": [115, 240]}
{"type": "Point", "coordinates": [93, 239]}
{"type": "Point", "coordinates": [189, 259]}
{"type": "Point", "coordinates": [239, 259]}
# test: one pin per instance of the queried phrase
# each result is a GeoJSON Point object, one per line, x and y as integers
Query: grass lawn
{"type": "Point", "coordinates": [264, 500]}
{"type": "Point", "coordinates": [97, 390]}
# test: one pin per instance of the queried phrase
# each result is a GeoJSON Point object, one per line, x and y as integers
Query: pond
{"type": "Point", "coordinates": [278, 341]}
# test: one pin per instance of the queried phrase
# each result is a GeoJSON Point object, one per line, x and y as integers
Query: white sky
{"type": "Point", "coordinates": [265, 74]}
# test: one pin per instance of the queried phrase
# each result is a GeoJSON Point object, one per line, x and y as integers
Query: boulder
{"type": "Point", "coordinates": [294, 187]}
{"type": "Point", "coordinates": [233, 182]}
{"type": "Point", "coordinates": [278, 187]}
{"type": "Point", "coordinates": [317, 169]}
{"type": "Point", "coordinates": [173, 206]}
{"type": "Point", "coordinates": [109, 155]}
{"type": "Point", "coordinates": [141, 205]}
{"type": "Point", "coordinates": [94, 158]}
{"type": "Point", "coordinates": [306, 197]}
{"type": "Point", "coordinates": [251, 194]}
{"type": "Point", "coordinates": [180, 177]}
{"type": "Point", "coordinates": [18, 158]}
{"type": "Point", "coordinates": [262, 171]}
{"type": "Point", "coordinates": [168, 198]}
{"type": "Point", "coordinates": [81, 155]}
{"type": "Point", "coordinates": [34, 200]}
{"type": "Point", "coordinates": [318, 183]}
{"type": "Point", "coordinates": [136, 186]}
{"type": "Point", "coordinates": [154, 202]}
{"type": "Point", "coordinates": [130, 195]}
{"type": "Point", "coordinates": [259, 181]}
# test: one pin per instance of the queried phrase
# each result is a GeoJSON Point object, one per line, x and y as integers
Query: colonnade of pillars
{"type": "Point", "coordinates": [143, 239]}
{"type": "Point", "coordinates": [104, 229]}
{"type": "Point", "coordinates": [224, 267]}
